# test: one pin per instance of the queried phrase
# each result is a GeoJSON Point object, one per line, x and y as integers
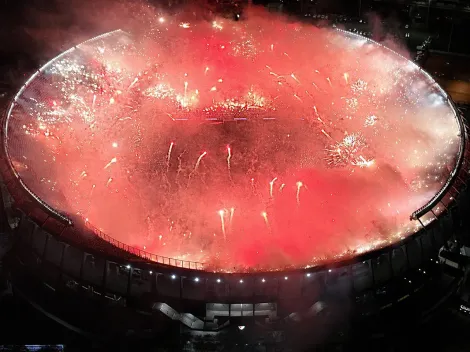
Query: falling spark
{"type": "Point", "coordinates": [298, 98]}
{"type": "Point", "coordinates": [94, 101]}
{"type": "Point", "coordinates": [265, 217]}
{"type": "Point", "coordinates": [272, 47]}
{"type": "Point", "coordinates": [229, 156]}
{"type": "Point", "coordinates": [346, 77]}
{"type": "Point", "coordinates": [294, 78]}
{"type": "Point", "coordinates": [329, 81]}
{"type": "Point", "coordinates": [363, 162]}
{"type": "Point", "coordinates": [185, 25]}
{"type": "Point", "coordinates": [169, 156]}
{"type": "Point", "coordinates": [222, 222]}
{"type": "Point", "coordinates": [216, 25]}
{"type": "Point", "coordinates": [199, 161]}
{"type": "Point", "coordinates": [271, 184]}
{"type": "Point", "coordinates": [299, 186]}
{"type": "Point", "coordinates": [109, 181]}
{"type": "Point", "coordinates": [113, 160]}
{"type": "Point", "coordinates": [232, 211]}
{"type": "Point", "coordinates": [252, 185]}
{"type": "Point", "coordinates": [206, 70]}
{"type": "Point", "coordinates": [133, 83]}
{"type": "Point", "coordinates": [282, 187]}
{"type": "Point", "coordinates": [326, 134]}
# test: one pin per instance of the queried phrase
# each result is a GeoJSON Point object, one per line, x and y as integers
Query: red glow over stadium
{"type": "Point", "coordinates": [251, 145]}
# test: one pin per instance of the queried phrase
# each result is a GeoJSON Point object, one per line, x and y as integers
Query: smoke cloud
{"type": "Point", "coordinates": [254, 144]}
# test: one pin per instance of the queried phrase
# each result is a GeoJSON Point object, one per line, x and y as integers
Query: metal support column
{"type": "Point", "coordinates": [62, 256]}
{"type": "Point", "coordinates": [105, 275]}
{"type": "Point", "coordinates": [45, 246]}
{"type": "Point", "coordinates": [82, 265]}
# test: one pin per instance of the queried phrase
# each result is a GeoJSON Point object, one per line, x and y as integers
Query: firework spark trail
{"type": "Point", "coordinates": [180, 165]}
{"type": "Point", "coordinates": [196, 166]}
{"type": "Point", "coordinates": [133, 83]}
{"type": "Point", "coordinates": [252, 185]}
{"type": "Point", "coordinates": [298, 98]}
{"type": "Point", "coordinates": [326, 134]}
{"type": "Point", "coordinates": [329, 81]}
{"type": "Point", "coordinates": [346, 77]}
{"type": "Point", "coordinates": [169, 156]}
{"type": "Point", "coordinates": [265, 217]}
{"type": "Point", "coordinates": [113, 160]}
{"type": "Point", "coordinates": [109, 181]}
{"type": "Point", "coordinates": [94, 101]}
{"type": "Point", "coordinates": [222, 222]}
{"type": "Point", "coordinates": [89, 199]}
{"type": "Point", "coordinates": [229, 156]}
{"type": "Point", "coordinates": [282, 187]}
{"type": "Point", "coordinates": [199, 161]}
{"type": "Point", "coordinates": [295, 78]}
{"type": "Point", "coordinates": [271, 185]}
{"type": "Point", "coordinates": [297, 196]}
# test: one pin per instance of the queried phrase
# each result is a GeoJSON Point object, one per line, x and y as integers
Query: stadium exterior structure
{"type": "Point", "coordinates": [99, 286]}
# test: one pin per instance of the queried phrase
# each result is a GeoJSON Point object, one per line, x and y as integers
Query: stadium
{"type": "Point", "coordinates": [212, 217]}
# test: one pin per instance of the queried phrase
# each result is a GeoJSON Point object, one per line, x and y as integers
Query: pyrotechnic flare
{"type": "Point", "coordinates": [113, 160]}
{"type": "Point", "coordinates": [326, 134]}
{"type": "Point", "coordinates": [169, 156]}
{"type": "Point", "coordinates": [229, 156]}
{"type": "Point", "coordinates": [271, 185]}
{"type": "Point", "coordinates": [265, 217]}
{"type": "Point", "coordinates": [222, 222]}
{"type": "Point", "coordinates": [299, 186]}
{"type": "Point", "coordinates": [294, 78]}
{"type": "Point", "coordinates": [199, 160]}
{"type": "Point", "coordinates": [133, 82]}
